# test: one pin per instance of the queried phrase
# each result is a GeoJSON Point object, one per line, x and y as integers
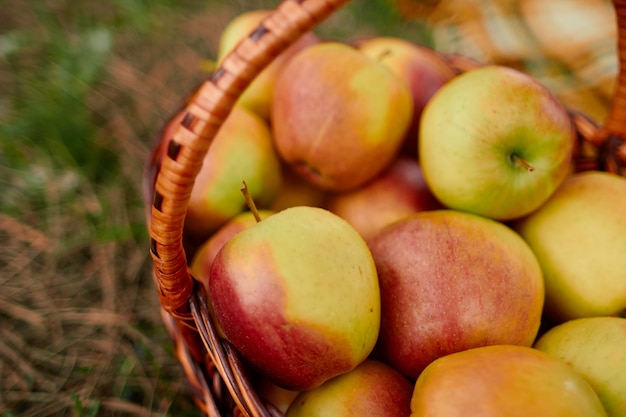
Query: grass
{"type": "Point", "coordinates": [84, 89]}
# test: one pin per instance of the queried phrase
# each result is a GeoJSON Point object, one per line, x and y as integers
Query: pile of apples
{"type": "Point", "coordinates": [415, 241]}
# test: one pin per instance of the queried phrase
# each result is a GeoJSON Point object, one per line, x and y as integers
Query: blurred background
{"type": "Point", "coordinates": [85, 87]}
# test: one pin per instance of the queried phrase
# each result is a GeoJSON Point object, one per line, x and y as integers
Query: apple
{"type": "Point", "coordinates": [495, 142]}
{"type": "Point", "coordinates": [339, 116]}
{"type": "Point", "coordinates": [297, 191]}
{"type": "Point", "coordinates": [204, 253]}
{"type": "Point", "coordinates": [242, 150]}
{"type": "Point", "coordinates": [297, 294]}
{"type": "Point", "coordinates": [278, 397]}
{"type": "Point", "coordinates": [371, 389]}
{"type": "Point", "coordinates": [422, 68]}
{"type": "Point", "coordinates": [461, 63]}
{"type": "Point", "coordinates": [578, 236]}
{"type": "Point", "coordinates": [596, 348]}
{"type": "Point", "coordinates": [202, 259]}
{"type": "Point", "coordinates": [397, 192]}
{"type": "Point", "coordinates": [503, 381]}
{"type": "Point", "coordinates": [258, 95]}
{"type": "Point", "coordinates": [451, 281]}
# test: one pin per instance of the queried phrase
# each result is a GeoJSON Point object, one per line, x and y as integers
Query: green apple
{"type": "Point", "coordinates": [495, 142]}
{"type": "Point", "coordinates": [258, 95]}
{"type": "Point", "coordinates": [579, 238]}
{"type": "Point", "coordinates": [451, 281]}
{"type": "Point", "coordinates": [422, 68]}
{"type": "Point", "coordinates": [503, 381]}
{"type": "Point", "coordinates": [339, 116]}
{"type": "Point", "coordinates": [241, 151]}
{"type": "Point", "coordinates": [397, 192]}
{"type": "Point", "coordinates": [371, 389]}
{"type": "Point", "coordinates": [297, 294]}
{"type": "Point", "coordinates": [596, 348]}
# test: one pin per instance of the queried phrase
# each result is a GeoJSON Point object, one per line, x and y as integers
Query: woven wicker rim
{"type": "Point", "coordinates": [212, 365]}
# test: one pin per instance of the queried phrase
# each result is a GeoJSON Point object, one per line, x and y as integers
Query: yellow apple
{"type": "Point", "coordinates": [242, 151]}
{"type": "Point", "coordinates": [596, 348]}
{"type": "Point", "coordinates": [258, 95]}
{"type": "Point", "coordinates": [579, 238]}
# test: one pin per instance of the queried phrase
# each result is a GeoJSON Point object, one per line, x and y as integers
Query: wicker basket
{"type": "Point", "coordinates": [222, 384]}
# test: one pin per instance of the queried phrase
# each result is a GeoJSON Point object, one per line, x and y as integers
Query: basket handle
{"type": "Point", "coordinates": [205, 112]}
{"type": "Point", "coordinates": [610, 139]}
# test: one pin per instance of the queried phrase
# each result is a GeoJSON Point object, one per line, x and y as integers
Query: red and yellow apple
{"type": "Point", "coordinates": [339, 116]}
{"type": "Point", "coordinates": [503, 381]}
{"type": "Point", "coordinates": [297, 294]}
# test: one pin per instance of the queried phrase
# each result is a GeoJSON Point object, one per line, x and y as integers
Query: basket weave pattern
{"type": "Point", "coordinates": [211, 365]}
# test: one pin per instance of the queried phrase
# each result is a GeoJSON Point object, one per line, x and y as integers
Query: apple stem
{"type": "Point", "coordinates": [385, 53]}
{"type": "Point", "coordinates": [521, 163]}
{"type": "Point", "coordinates": [250, 202]}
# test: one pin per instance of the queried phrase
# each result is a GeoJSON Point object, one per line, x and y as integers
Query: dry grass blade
{"type": "Point", "coordinates": [80, 329]}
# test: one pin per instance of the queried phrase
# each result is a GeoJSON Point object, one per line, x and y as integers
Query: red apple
{"type": "Point", "coordinates": [451, 281]}
{"type": "Point", "coordinates": [397, 192]}
{"type": "Point", "coordinates": [371, 389]}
